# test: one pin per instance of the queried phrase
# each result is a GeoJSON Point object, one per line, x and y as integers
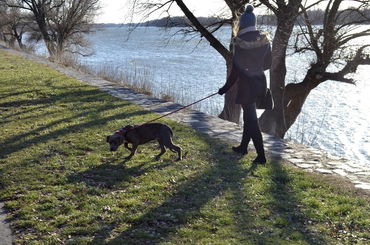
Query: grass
{"type": "Point", "coordinates": [61, 185]}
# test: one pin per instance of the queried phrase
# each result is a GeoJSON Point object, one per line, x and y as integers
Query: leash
{"type": "Point", "coordinates": [172, 112]}
{"type": "Point", "coordinates": [182, 108]}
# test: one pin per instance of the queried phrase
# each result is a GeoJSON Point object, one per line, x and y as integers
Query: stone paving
{"type": "Point", "coordinates": [301, 156]}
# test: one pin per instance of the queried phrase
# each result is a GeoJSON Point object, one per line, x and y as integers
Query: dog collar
{"type": "Point", "coordinates": [121, 132]}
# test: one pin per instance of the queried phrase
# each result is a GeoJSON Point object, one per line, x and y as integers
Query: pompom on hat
{"type": "Point", "coordinates": [248, 18]}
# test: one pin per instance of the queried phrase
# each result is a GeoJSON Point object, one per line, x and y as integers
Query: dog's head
{"type": "Point", "coordinates": [115, 140]}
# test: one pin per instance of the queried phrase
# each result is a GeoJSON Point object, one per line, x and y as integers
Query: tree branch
{"type": "Point", "coordinates": [360, 58]}
{"type": "Point", "coordinates": [215, 43]}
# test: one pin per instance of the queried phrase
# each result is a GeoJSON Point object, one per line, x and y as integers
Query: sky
{"type": "Point", "coordinates": [114, 11]}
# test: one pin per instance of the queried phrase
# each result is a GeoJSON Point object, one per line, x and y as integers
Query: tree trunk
{"type": "Point", "coordinates": [273, 122]}
{"type": "Point", "coordinates": [294, 96]}
{"type": "Point", "coordinates": [18, 37]}
{"type": "Point", "coordinates": [51, 49]}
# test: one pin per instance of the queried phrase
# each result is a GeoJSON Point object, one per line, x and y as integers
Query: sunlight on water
{"type": "Point", "coordinates": [336, 122]}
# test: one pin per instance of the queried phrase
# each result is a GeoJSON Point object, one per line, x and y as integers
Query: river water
{"type": "Point", "coordinates": [335, 117]}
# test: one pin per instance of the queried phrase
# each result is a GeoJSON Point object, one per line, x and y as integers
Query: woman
{"type": "Point", "coordinates": [252, 56]}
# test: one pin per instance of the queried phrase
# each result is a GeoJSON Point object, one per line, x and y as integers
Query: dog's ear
{"type": "Point", "coordinates": [108, 139]}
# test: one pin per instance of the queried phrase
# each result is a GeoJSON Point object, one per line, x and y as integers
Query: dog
{"type": "Point", "coordinates": [138, 135]}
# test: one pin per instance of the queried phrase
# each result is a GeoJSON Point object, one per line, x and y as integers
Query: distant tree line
{"type": "Point", "coordinates": [317, 17]}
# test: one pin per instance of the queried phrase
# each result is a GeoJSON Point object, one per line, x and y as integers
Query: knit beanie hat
{"type": "Point", "coordinates": [248, 18]}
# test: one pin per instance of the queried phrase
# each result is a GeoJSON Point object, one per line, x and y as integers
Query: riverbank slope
{"type": "Point", "coordinates": [60, 183]}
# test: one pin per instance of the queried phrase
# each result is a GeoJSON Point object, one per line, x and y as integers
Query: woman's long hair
{"type": "Point", "coordinates": [236, 27]}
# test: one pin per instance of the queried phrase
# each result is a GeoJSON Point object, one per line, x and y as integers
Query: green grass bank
{"type": "Point", "coordinates": [61, 185]}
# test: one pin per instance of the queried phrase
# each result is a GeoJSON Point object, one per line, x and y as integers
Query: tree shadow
{"type": "Point", "coordinates": [42, 102]}
{"type": "Point", "coordinates": [24, 138]}
{"type": "Point", "coordinates": [185, 204]}
{"type": "Point", "coordinates": [288, 220]}
{"type": "Point", "coordinates": [108, 175]}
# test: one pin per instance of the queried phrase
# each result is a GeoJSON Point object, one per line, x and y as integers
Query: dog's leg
{"type": "Point", "coordinates": [168, 143]}
{"type": "Point", "coordinates": [127, 147]}
{"type": "Point", "coordinates": [178, 149]}
{"type": "Point", "coordinates": [163, 150]}
{"type": "Point", "coordinates": [133, 151]}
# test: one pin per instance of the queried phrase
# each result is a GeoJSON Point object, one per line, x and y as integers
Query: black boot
{"type": "Point", "coordinates": [256, 135]}
{"type": "Point", "coordinates": [243, 147]}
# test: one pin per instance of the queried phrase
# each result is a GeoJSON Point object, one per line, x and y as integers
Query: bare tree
{"type": "Point", "coordinates": [61, 23]}
{"type": "Point", "coordinates": [329, 45]}
{"type": "Point", "coordinates": [13, 24]}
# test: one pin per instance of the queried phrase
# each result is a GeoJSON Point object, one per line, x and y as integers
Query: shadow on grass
{"type": "Point", "coordinates": [38, 102]}
{"type": "Point", "coordinates": [185, 206]}
{"type": "Point", "coordinates": [37, 135]}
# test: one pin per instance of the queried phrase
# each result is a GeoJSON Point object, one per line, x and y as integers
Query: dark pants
{"type": "Point", "coordinates": [249, 112]}
{"type": "Point", "coordinates": [252, 129]}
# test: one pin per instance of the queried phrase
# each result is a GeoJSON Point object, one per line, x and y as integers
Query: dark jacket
{"type": "Point", "coordinates": [252, 56]}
